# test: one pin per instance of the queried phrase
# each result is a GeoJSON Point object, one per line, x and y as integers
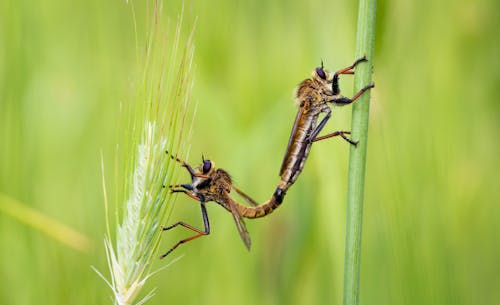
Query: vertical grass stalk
{"type": "Point", "coordinates": [157, 120]}
{"type": "Point", "coordinates": [365, 39]}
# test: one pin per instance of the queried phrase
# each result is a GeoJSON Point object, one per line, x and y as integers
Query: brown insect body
{"type": "Point", "coordinates": [314, 96]}
{"type": "Point", "coordinates": [217, 187]}
{"type": "Point", "coordinates": [215, 184]}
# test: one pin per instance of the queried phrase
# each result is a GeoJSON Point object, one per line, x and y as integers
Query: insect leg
{"type": "Point", "coordinates": [341, 101]}
{"type": "Point", "coordinates": [347, 70]}
{"type": "Point", "coordinates": [199, 232]}
{"type": "Point", "coordinates": [175, 158]}
{"type": "Point", "coordinates": [197, 198]}
{"type": "Point", "coordinates": [336, 134]}
{"type": "Point", "coordinates": [344, 101]}
{"type": "Point", "coordinates": [186, 165]}
{"type": "Point", "coordinates": [185, 186]}
{"type": "Point", "coordinates": [321, 124]}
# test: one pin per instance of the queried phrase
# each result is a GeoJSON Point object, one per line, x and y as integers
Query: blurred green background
{"type": "Point", "coordinates": [431, 219]}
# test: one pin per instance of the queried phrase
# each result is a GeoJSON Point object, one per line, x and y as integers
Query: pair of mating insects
{"type": "Point", "coordinates": [214, 184]}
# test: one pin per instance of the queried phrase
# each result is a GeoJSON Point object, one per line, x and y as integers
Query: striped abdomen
{"type": "Point", "coordinates": [263, 209]}
{"type": "Point", "coordinates": [298, 149]}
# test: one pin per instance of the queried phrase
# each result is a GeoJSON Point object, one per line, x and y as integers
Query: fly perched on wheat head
{"type": "Point", "coordinates": [209, 183]}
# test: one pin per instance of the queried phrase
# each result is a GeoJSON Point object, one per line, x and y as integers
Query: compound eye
{"type": "Point", "coordinates": [321, 73]}
{"type": "Point", "coordinates": [207, 166]}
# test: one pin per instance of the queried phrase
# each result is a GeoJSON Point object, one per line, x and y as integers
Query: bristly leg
{"type": "Point", "coordinates": [336, 134]}
{"type": "Point", "coordinates": [347, 70]}
{"type": "Point", "coordinates": [175, 158]}
{"type": "Point", "coordinates": [341, 101]}
{"type": "Point", "coordinates": [346, 101]}
{"type": "Point", "coordinates": [187, 166]}
{"type": "Point", "coordinates": [187, 193]}
{"type": "Point", "coordinates": [199, 232]}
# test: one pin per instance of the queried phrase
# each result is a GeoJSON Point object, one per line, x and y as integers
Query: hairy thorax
{"type": "Point", "coordinates": [220, 186]}
{"type": "Point", "coordinates": [311, 94]}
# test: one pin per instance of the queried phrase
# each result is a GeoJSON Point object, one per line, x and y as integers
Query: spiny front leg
{"type": "Point", "coordinates": [186, 165]}
{"type": "Point", "coordinates": [339, 101]}
{"type": "Point", "coordinates": [346, 70]}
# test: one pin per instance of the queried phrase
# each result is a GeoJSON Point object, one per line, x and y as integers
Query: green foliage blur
{"type": "Point", "coordinates": [431, 230]}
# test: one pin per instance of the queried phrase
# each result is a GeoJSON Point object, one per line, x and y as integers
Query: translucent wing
{"type": "Point", "coordinates": [240, 224]}
{"type": "Point", "coordinates": [298, 118]}
{"type": "Point", "coordinates": [247, 198]}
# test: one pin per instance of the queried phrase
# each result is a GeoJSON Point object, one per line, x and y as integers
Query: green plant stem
{"type": "Point", "coordinates": [357, 159]}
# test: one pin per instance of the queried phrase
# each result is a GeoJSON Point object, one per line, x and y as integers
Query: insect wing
{"type": "Point", "coordinates": [247, 198]}
{"type": "Point", "coordinates": [240, 224]}
{"type": "Point", "coordinates": [298, 118]}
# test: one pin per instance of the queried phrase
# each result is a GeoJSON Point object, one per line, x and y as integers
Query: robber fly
{"type": "Point", "coordinates": [313, 97]}
{"type": "Point", "coordinates": [212, 184]}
